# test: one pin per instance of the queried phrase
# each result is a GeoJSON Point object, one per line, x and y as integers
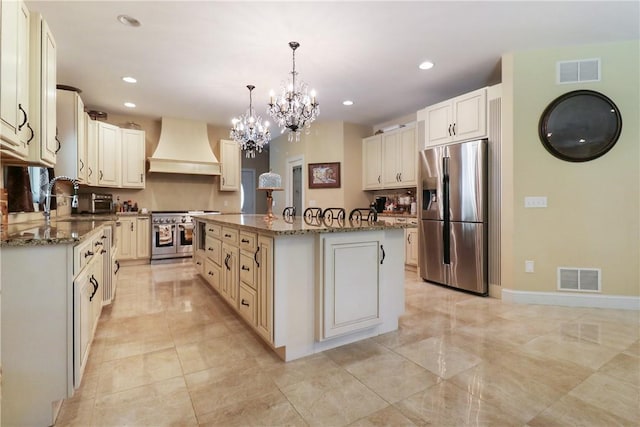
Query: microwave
{"type": "Point", "coordinates": [94, 203]}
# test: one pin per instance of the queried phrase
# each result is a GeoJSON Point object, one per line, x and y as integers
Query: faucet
{"type": "Point", "coordinates": [47, 204]}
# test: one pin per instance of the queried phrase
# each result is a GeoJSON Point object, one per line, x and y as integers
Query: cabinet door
{"type": "Point", "coordinates": [133, 160]}
{"type": "Point", "coordinates": [391, 160]}
{"type": "Point", "coordinates": [71, 159]}
{"type": "Point", "coordinates": [411, 247]}
{"type": "Point", "coordinates": [96, 301]}
{"type": "Point", "coordinates": [14, 77]}
{"type": "Point", "coordinates": [372, 163]}
{"type": "Point", "coordinates": [127, 238]}
{"type": "Point", "coordinates": [264, 287]}
{"type": "Point", "coordinates": [143, 237]}
{"type": "Point", "coordinates": [230, 273]}
{"type": "Point", "coordinates": [48, 135]}
{"type": "Point", "coordinates": [439, 124]}
{"type": "Point", "coordinates": [83, 289]}
{"type": "Point", "coordinates": [408, 153]}
{"type": "Point", "coordinates": [92, 150]}
{"type": "Point", "coordinates": [81, 126]}
{"type": "Point", "coordinates": [351, 282]}
{"type": "Point", "coordinates": [470, 115]}
{"type": "Point", "coordinates": [108, 155]}
{"type": "Point", "coordinates": [230, 159]}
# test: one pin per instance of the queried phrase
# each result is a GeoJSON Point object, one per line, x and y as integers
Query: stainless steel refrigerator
{"type": "Point", "coordinates": [453, 216]}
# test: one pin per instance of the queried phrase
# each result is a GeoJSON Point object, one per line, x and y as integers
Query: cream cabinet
{"type": "Point", "coordinates": [15, 127]}
{"type": "Point", "coordinates": [42, 93]}
{"type": "Point", "coordinates": [230, 274]}
{"type": "Point", "coordinates": [372, 163]}
{"type": "Point", "coordinates": [399, 157]}
{"type": "Point", "coordinates": [231, 165]}
{"type": "Point", "coordinates": [72, 159]}
{"type": "Point", "coordinates": [264, 287]}
{"type": "Point", "coordinates": [351, 286]}
{"type": "Point", "coordinates": [109, 157]}
{"type": "Point", "coordinates": [389, 160]}
{"type": "Point", "coordinates": [143, 237]}
{"type": "Point", "coordinates": [92, 150]}
{"type": "Point", "coordinates": [133, 158]}
{"type": "Point", "coordinates": [134, 238]}
{"type": "Point", "coordinates": [411, 247]}
{"type": "Point", "coordinates": [459, 119]}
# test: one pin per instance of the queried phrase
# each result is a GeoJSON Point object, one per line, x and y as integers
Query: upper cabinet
{"type": "Point", "coordinates": [230, 160]}
{"type": "Point", "coordinates": [133, 160]}
{"type": "Point", "coordinates": [390, 159]}
{"type": "Point", "coordinates": [91, 127]}
{"type": "Point", "coordinates": [72, 159]}
{"type": "Point", "coordinates": [109, 155]}
{"type": "Point", "coordinates": [42, 90]}
{"type": "Point", "coordinates": [459, 119]}
{"type": "Point", "coordinates": [15, 128]}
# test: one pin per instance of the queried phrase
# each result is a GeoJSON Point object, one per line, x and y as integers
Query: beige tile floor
{"type": "Point", "coordinates": [170, 352]}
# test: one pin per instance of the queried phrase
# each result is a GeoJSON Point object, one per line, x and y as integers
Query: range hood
{"type": "Point", "coordinates": [184, 148]}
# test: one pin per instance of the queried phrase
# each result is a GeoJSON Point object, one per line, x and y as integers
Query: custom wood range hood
{"type": "Point", "coordinates": [184, 149]}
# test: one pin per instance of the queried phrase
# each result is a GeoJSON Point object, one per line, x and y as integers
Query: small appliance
{"type": "Point", "coordinates": [380, 203]}
{"type": "Point", "coordinates": [94, 203]}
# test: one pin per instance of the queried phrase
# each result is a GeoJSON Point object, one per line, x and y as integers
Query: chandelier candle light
{"type": "Point", "coordinates": [296, 107]}
{"type": "Point", "coordinates": [249, 132]}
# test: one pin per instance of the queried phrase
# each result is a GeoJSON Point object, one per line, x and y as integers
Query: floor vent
{"type": "Point", "coordinates": [579, 279]}
{"type": "Point", "coordinates": [578, 71]}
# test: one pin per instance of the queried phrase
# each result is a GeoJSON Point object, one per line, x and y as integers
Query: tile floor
{"type": "Point", "coordinates": [170, 352]}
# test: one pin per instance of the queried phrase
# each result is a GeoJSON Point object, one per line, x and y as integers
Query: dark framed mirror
{"type": "Point", "coordinates": [580, 126]}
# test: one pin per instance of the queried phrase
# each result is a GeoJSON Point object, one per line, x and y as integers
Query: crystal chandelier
{"type": "Point", "coordinates": [249, 132]}
{"type": "Point", "coordinates": [296, 107]}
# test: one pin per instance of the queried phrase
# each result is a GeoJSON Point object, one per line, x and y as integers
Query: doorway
{"type": "Point", "coordinates": [295, 184]}
{"type": "Point", "coordinates": [248, 191]}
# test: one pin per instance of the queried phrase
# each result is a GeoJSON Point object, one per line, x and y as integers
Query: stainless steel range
{"type": "Point", "coordinates": [172, 234]}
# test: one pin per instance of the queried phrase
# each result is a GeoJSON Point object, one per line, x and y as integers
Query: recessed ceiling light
{"type": "Point", "coordinates": [347, 102]}
{"type": "Point", "coordinates": [129, 79]}
{"type": "Point", "coordinates": [130, 105]}
{"type": "Point", "coordinates": [128, 20]}
{"type": "Point", "coordinates": [426, 65]}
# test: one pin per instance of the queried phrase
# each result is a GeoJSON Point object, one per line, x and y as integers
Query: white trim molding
{"type": "Point", "coordinates": [620, 302]}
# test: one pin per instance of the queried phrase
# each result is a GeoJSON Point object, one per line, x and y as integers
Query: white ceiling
{"type": "Point", "coordinates": [193, 59]}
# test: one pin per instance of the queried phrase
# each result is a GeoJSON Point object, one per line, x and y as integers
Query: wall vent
{"type": "Point", "coordinates": [579, 279]}
{"type": "Point", "coordinates": [578, 71]}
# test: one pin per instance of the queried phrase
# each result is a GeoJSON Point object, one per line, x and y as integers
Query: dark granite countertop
{"type": "Point", "coordinates": [296, 225]}
{"type": "Point", "coordinates": [65, 230]}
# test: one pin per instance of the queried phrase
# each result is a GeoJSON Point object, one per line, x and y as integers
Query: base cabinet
{"type": "Point", "coordinates": [134, 238]}
{"type": "Point", "coordinates": [352, 267]}
{"type": "Point", "coordinates": [264, 287]}
{"type": "Point", "coordinates": [411, 248]}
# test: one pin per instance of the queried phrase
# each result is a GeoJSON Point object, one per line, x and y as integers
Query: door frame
{"type": "Point", "coordinates": [291, 163]}
{"type": "Point", "coordinates": [243, 193]}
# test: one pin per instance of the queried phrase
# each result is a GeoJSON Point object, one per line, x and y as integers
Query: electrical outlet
{"type": "Point", "coordinates": [528, 266]}
{"type": "Point", "coordinates": [535, 202]}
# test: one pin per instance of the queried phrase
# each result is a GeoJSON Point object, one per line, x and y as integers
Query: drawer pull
{"type": "Point", "coordinates": [102, 251]}
{"type": "Point", "coordinates": [211, 230]}
{"type": "Point", "coordinates": [210, 273]}
{"type": "Point", "coordinates": [210, 249]}
{"type": "Point", "coordinates": [244, 241]}
{"type": "Point", "coordinates": [198, 263]}
{"type": "Point", "coordinates": [227, 236]}
{"type": "Point", "coordinates": [88, 254]}
{"type": "Point", "coordinates": [244, 302]}
{"type": "Point", "coordinates": [245, 268]}
{"type": "Point", "coordinates": [255, 257]}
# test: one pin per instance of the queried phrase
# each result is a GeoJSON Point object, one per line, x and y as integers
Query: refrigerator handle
{"type": "Point", "coordinates": [446, 229]}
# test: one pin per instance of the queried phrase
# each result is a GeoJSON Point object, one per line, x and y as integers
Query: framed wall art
{"type": "Point", "coordinates": [324, 175]}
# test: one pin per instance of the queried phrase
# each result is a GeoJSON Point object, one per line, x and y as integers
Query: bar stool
{"type": "Point", "coordinates": [333, 213]}
{"type": "Point", "coordinates": [358, 215]}
{"type": "Point", "coordinates": [289, 211]}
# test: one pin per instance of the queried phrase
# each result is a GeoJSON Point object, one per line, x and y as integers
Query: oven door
{"type": "Point", "coordinates": [163, 240]}
{"type": "Point", "coordinates": [185, 238]}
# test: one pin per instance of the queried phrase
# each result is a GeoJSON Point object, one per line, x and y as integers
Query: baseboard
{"type": "Point", "coordinates": [571, 300]}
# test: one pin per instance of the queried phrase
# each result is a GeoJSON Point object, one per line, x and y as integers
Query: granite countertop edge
{"type": "Point", "coordinates": [68, 230]}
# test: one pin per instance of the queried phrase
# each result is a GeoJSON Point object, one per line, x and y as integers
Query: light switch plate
{"type": "Point", "coordinates": [535, 202]}
{"type": "Point", "coordinates": [528, 266]}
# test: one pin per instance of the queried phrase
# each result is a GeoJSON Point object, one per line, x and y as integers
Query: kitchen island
{"type": "Point", "coordinates": [305, 285]}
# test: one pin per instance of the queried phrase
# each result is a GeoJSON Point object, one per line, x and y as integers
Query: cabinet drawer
{"type": "Point", "coordinates": [247, 306]}
{"type": "Point", "coordinates": [248, 241]}
{"type": "Point", "coordinates": [82, 254]}
{"type": "Point", "coordinates": [213, 249]}
{"type": "Point", "coordinates": [212, 274]}
{"type": "Point", "coordinates": [198, 261]}
{"type": "Point", "coordinates": [400, 220]}
{"type": "Point", "coordinates": [214, 230]}
{"type": "Point", "coordinates": [230, 235]}
{"type": "Point", "coordinates": [247, 270]}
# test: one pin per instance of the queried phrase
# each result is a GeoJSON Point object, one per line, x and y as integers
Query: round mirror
{"type": "Point", "coordinates": [579, 126]}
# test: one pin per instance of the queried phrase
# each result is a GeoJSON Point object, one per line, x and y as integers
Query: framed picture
{"type": "Point", "coordinates": [324, 175]}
